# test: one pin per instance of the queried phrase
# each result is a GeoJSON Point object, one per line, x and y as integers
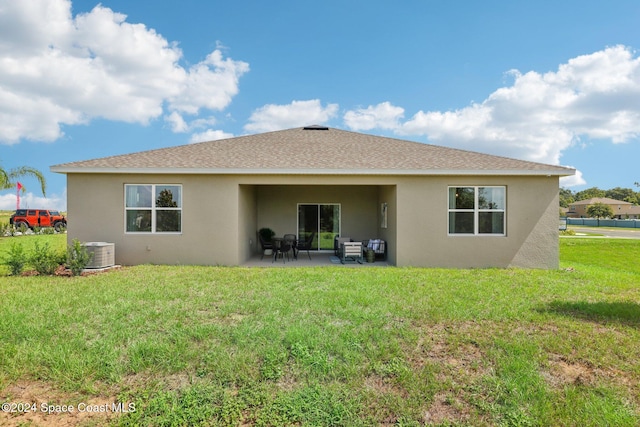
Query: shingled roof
{"type": "Point", "coordinates": [312, 150]}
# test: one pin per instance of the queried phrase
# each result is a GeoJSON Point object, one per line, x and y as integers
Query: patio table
{"type": "Point", "coordinates": [277, 245]}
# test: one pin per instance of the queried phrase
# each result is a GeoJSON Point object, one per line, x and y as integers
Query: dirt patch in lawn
{"type": "Point", "coordinates": [382, 385]}
{"type": "Point", "coordinates": [460, 357]}
{"type": "Point", "coordinates": [445, 410]}
{"type": "Point", "coordinates": [38, 403]}
{"type": "Point", "coordinates": [456, 359]}
{"type": "Point", "coordinates": [562, 371]}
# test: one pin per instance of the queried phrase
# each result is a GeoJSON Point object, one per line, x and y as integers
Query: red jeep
{"type": "Point", "coordinates": [38, 218]}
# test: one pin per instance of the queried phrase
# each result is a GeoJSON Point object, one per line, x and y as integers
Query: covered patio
{"type": "Point", "coordinates": [357, 211]}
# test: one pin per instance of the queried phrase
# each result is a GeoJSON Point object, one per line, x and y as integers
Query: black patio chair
{"type": "Point", "coordinates": [264, 244]}
{"type": "Point", "coordinates": [305, 245]}
{"type": "Point", "coordinates": [281, 247]}
{"type": "Point", "coordinates": [290, 245]}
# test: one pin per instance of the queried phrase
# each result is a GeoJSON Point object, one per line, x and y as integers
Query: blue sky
{"type": "Point", "coordinates": [554, 82]}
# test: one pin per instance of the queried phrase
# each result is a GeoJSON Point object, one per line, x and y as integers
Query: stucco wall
{"type": "Point", "coordinates": [387, 194]}
{"type": "Point", "coordinates": [222, 213]}
{"type": "Point", "coordinates": [210, 219]}
{"type": "Point", "coordinates": [278, 207]}
{"type": "Point", "coordinates": [531, 225]}
{"type": "Point", "coordinates": [247, 212]}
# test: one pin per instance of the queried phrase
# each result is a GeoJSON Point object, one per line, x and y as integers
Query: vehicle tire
{"type": "Point", "coordinates": [19, 225]}
{"type": "Point", "coordinates": [59, 226]}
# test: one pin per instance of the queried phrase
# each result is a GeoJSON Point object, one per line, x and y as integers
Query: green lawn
{"type": "Point", "coordinates": [332, 346]}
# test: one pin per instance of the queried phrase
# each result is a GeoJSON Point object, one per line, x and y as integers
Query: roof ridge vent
{"type": "Point", "coordinates": [316, 127]}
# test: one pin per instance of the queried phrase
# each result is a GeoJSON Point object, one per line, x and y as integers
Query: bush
{"type": "Point", "coordinates": [15, 259]}
{"type": "Point", "coordinates": [266, 234]}
{"type": "Point", "coordinates": [44, 259]}
{"type": "Point", "coordinates": [77, 257]}
{"type": "Point", "coordinates": [48, 230]}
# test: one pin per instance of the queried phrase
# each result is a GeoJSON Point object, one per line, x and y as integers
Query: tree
{"type": "Point", "coordinates": [590, 193]}
{"type": "Point", "coordinates": [566, 197]}
{"type": "Point", "coordinates": [9, 178]}
{"type": "Point", "coordinates": [165, 200]}
{"type": "Point", "coordinates": [599, 210]}
{"type": "Point", "coordinates": [624, 194]}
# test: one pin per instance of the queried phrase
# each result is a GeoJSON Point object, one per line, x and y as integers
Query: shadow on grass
{"type": "Point", "coordinates": [624, 313]}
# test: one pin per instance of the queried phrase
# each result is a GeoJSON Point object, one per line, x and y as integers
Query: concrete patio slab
{"type": "Point", "coordinates": [317, 260]}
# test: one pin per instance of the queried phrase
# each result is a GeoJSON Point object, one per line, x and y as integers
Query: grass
{"type": "Point", "coordinates": [4, 215]}
{"type": "Point", "coordinates": [333, 346]}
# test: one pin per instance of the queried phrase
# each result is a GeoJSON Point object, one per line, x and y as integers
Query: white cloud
{"type": "Point", "coordinates": [298, 113]}
{"type": "Point", "coordinates": [573, 180]}
{"type": "Point", "coordinates": [209, 135]}
{"type": "Point", "coordinates": [538, 116]}
{"type": "Point", "coordinates": [59, 70]}
{"type": "Point", "coordinates": [381, 116]}
{"type": "Point", "coordinates": [210, 84]}
{"type": "Point", "coordinates": [177, 123]}
{"type": "Point", "coordinates": [30, 200]}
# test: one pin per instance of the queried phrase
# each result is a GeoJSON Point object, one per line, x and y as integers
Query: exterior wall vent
{"type": "Point", "coordinates": [315, 127]}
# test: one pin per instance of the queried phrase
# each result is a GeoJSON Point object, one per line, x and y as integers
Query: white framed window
{"type": "Point", "coordinates": [475, 210]}
{"type": "Point", "coordinates": [153, 208]}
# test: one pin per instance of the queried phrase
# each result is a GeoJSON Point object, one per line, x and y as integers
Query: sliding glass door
{"type": "Point", "coordinates": [323, 219]}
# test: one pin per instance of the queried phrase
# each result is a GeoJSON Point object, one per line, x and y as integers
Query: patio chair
{"type": "Point", "coordinates": [305, 245]}
{"type": "Point", "coordinates": [281, 247]}
{"type": "Point", "coordinates": [290, 243]}
{"type": "Point", "coordinates": [264, 244]}
{"type": "Point", "coordinates": [378, 246]}
{"type": "Point", "coordinates": [351, 251]}
{"type": "Point", "coordinates": [337, 245]}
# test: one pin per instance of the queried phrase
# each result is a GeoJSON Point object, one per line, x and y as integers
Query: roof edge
{"type": "Point", "coordinates": [231, 171]}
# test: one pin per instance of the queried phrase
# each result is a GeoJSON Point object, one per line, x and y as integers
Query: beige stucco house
{"type": "Point", "coordinates": [621, 209]}
{"type": "Point", "coordinates": [203, 203]}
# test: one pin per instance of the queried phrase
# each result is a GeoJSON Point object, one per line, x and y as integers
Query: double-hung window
{"type": "Point", "coordinates": [477, 210]}
{"type": "Point", "coordinates": [153, 208]}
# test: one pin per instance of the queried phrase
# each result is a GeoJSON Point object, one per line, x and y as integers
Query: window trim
{"type": "Point", "coordinates": [153, 208]}
{"type": "Point", "coordinates": [476, 211]}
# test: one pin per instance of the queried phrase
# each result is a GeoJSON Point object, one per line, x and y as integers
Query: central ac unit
{"type": "Point", "coordinates": [103, 254]}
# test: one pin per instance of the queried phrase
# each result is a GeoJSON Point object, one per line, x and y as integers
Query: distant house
{"type": "Point", "coordinates": [621, 209]}
{"type": "Point", "coordinates": [203, 203]}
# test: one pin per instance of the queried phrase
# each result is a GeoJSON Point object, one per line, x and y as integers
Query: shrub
{"type": "Point", "coordinates": [44, 259]}
{"type": "Point", "coordinates": [77, 257]}
{"type": "Point", "coordinates": [48, 230]}
{"type": "Point", "coordinates": [266, 234]}
{"type": "Point", "coordinates": [568, 232]}
{"type": "Point", "coordinates": [23, 228]}
{"type": "Point", "coordinates": [15, 259]}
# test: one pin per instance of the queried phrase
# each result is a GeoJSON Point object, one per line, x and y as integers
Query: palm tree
{"type": "Point", "coordinates": [8, 178]}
